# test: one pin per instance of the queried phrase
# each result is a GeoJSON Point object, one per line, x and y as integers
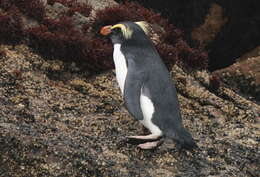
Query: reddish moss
{"type": "Point", "coordinates": [86, 29]}
{"type": "Point", "coordinates": [168, 53]}
{"type": "Point", "coordinates": [59, 38]}
{"type": "Point", "coordinates": [131, 11]}
{"type": "Point", "coordinates": [2, 53]}
{"type": "Point", "coordinates": [100, 53]}
{"type": "Point", "coordinates": [128, 11]}
{"type": "Point", "coordinates": [172, 34]}
{"type": "Point", "coordinates": [32, 8]}
{"type": "Point", "coordinates": [63, 24]}
{"type": "Point", "coordinates": [11, 26]}
{"type": "Point", "coordinates": [56, 38]}
{"type": "Point", "coordinates": [214, 82]}
{"type": "Point", "coordinates": [193, 58]}
{"type": "Point", "coordinates": [112, 15]}
{"type": "Point", "coordinates": [190, 57]}
{"type": "Point", "coordinates": [172, 47]}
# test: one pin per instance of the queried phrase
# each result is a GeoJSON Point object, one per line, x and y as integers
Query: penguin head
{"type": "Point", "coordinates": [126, 31]}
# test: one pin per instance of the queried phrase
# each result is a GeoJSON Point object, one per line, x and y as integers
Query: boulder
{"type": "Point", "coordinates": [244, 75]}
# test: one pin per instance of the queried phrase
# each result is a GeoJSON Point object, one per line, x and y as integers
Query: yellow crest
{"type": "Point", "coordinates": [127, 33]}
{"type": "Point", "coordinates": [144, 25]}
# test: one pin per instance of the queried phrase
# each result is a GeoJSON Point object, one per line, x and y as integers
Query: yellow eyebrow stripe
{"type": "Point", "coordinates": [118, 26]}
{"type": "Point", "coordinates": [127, 33]}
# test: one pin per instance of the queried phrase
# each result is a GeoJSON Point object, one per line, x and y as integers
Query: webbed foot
{"type": "Point", "coordinates": [146, 142]}
{"type": "Point", "coordinates": [150, 145]}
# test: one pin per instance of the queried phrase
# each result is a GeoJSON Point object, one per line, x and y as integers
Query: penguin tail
{"type": "Point", "coordinates": [184, 139]}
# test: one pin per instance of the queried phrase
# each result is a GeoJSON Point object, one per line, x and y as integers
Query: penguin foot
{"type": "Point", "coordinates": [147, 137]}
{"type": "Point", "coordinates": [150, 145]}
{"type": "Point", "coordinates": [142, 139]}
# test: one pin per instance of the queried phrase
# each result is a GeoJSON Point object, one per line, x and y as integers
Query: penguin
{"type": "Point", "coordinates": [146, 86]}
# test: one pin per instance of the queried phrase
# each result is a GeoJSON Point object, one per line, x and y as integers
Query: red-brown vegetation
{"type": "Point", "coordinates": [63, 39]}
{"type": "Point", "coordinates": [11, 26]}
{"type": "Point", "coordinates": [171, 47]}
{"type": "Point", "coordinates": [59, 38]}
{"type": "Point", "coordinates": [214, 82]}
{"type": "Point", "coordinates": [168, 53]}
{"type": "Point", "coordinates": [32, 8]}
{"type": "Point", "coordinates": [2, 53]}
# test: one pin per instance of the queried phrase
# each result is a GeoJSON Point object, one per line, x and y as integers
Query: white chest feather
{"type": "Point", "coordinates": [148, 110]}
{"type": "Point", "coordinates": [120, 66]}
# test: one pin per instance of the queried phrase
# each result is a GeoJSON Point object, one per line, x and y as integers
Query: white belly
{"type": "Point", "coordinates": [146, 104]}
{"type": "Point", "coordinates": [120, 66]}
{"type": "Point", "coordinates": [148, 110]}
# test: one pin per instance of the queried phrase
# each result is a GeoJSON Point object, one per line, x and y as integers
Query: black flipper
{"type": "Point", "coordinates": [132, 89]}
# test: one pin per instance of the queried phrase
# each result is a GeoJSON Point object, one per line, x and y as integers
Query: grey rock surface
{"type": "Point", "coordinates": [55, 120]}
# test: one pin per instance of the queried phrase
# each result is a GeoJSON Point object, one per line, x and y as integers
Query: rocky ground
{"type": "Point", "coordinates": [244, 74]}
{"type": "Point", "coordinates": [57, 120]}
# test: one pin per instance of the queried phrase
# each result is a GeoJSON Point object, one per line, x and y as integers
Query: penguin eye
{"type": "Point", "coordinates": [116, 30]}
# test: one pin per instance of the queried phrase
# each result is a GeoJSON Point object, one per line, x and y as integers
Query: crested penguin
{"type": "Point", "coordinates": [146, 85]}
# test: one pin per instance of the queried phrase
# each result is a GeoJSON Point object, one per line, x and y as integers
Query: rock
{"type": "Point", "coordinates": [251, 54]}
{"type": "Point", "coordinates": [101, 4]}
{"type": "Point", "coordinates": [243, 18]}
{"type": "Point", "coordinates": [244, 75]}
{"type": "Point", "coordinates": [80, 20]}
{"type": "Point", "coordinates": [56, 10]}
{"type": "Point", "coordinates": [74, 125]}
{"type": "Point", "coordinates": [213, 23]}
{"type": "Point", "coordinates": [44, 2]}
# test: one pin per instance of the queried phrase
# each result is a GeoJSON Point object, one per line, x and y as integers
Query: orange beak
{"type": "Point", "coordinates": [106, 30]}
